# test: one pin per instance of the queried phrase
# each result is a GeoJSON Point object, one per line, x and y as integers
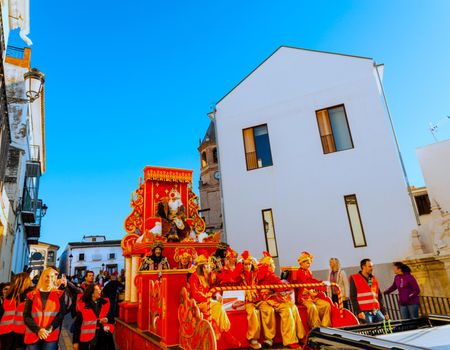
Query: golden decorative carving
{"type": "Point", "coordinates": [198, 223]}
{"type": "Point", "coordinates": [195, 332]}
{"type": "Point", "coordinates": [170, 175]}
{"type": "Point", "coordinates": [134, 222]}
{"type": "Point", "coordinates": [128, 242]}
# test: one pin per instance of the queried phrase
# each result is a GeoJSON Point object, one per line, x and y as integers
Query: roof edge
{"type": "Point", "coordinates": [293, 48]}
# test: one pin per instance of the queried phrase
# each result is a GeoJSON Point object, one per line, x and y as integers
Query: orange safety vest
{"type": "Point", "coordinates": [7, 321]}
{"type": "Point", "coordinates": [366, 296]}
{"type": "Point", "coordinates": [43, 317]}
{"type": "Point", "coordinates": [89, 324]}
{"type": "Point", "coordinates": [19, 323]}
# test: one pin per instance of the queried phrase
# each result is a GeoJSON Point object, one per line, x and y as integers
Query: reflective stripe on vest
{"type": "Point", "coordinates": [366, 296]}
{"type": "Point", "coordinates": [43, 317]}
{"type": "Point", "coordinates": [9, 305]}
{"type": "Point", "coordinates": [19, 323]}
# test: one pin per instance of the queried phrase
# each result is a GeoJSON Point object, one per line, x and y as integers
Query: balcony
{"type": "Point", "coordinates": [33, 228]}
{"type": "Point", "coordinates": [30, 202]}
{"type": "Point", "coordinates": [15, 52]}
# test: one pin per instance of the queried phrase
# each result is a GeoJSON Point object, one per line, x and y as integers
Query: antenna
{"type": "Point", "coordinates": [434, 127]}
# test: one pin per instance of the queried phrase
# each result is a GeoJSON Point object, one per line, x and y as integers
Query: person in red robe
{"type": "Point", "coordinates": [292, 330]}
{"type": "Point", "coordinates": [318, 309]}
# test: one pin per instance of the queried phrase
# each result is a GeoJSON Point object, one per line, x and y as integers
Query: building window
{"type": "Point", "coordinates": [204, 163]}
{"type": "Point", "coordinates": [423, 204]}
{"type": "Point", "coordinates": [334, 130]}
{"type": "Point", "coordinates": [50, 257]}
{"type": "Point", "coordinates": [354, 218]}
{"type": "Point", "coordinates": [112, 255]}
{"type": "Point", "coordinates": [214, 153]}
{"type": "Point", "coordinates": [94, 239]}
{"type": "Point", "coordinates": [257, 147]}
{"type": "Point", "coordinates": [269, 232]}
{"type": "Point", "coordinates": [81, 257]}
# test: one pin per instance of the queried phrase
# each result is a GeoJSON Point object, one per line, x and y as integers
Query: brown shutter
{"type": "Point", "coordinates": [326, 133]}
{"type": "Point", "coordinates": [250, 149]}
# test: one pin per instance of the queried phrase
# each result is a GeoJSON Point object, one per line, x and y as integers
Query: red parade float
{"type": "Point", "coordinates": [158, 312]}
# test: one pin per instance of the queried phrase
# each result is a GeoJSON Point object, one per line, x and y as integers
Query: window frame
{"type": "Point", "coordinates": [79, 257]}
{"type": "Point", "coordinates": [274, 232]}
{"type": "Point", "coordinates": [332, 131]}
{"type": "Point", "coordinates": [203, 160]}
{"type": "Point", "coordinates": [350, 221]}
{"type": "Point", "coordinates": [245, 149]}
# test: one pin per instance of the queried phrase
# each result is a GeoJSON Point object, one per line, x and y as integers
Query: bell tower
{"type": "Point", "coordinates": [209, 180]}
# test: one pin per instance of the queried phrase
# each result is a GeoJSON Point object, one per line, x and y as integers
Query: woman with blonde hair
{"type": "Point", "coordinates": [44, 313]}
{"type": "Point", "coordinates": [338, 276]}
{"type": "Point", "coordinates": [12, 326]}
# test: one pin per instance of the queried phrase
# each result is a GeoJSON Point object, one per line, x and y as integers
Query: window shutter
{"type": "Point", "coordinates": [326, 132]}
{"type": "Point", "coordinates": [250, 149]}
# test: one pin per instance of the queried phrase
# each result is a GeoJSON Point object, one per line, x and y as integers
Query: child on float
{"type": "Point", "coordinates": [200, 283]}
{"type": "Point", "coordinates": [258, 310]}
{"type": "Point", "coordinates": [229, 274]}
{"type": "Point", "coordinates": [292, 330]}
{"type": "Point", "coordinates": [318, 309]}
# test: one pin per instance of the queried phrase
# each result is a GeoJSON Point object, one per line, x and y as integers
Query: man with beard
{"type": "Point", "coordinates": [173, 217]}
{"type": "Point", "coordinates": [156, 261]}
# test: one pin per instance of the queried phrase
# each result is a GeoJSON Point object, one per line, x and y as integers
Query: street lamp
{"type": "Point", "coordinates": [34, 85]}
{"type": "Point", "coordinates": [70, 264]}
{"type": "Point", "coordinates": [34, 82]}
{"type": "Point", "coordinates": [44, 210]}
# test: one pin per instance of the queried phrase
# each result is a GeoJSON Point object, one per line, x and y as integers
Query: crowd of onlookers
{"type": "Point", "coordinates": [32, 310]}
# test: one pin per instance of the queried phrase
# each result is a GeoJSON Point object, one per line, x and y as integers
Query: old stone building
{"type": "Point", "coordinates": [209, 187]}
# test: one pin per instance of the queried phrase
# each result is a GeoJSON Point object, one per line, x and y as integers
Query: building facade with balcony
{"type": "Point", "coordinates": [94, 253]}
{"type": "Point", "coordinates": [309, 162]}
{"type": "Point", "coordinates": [42, 255]}
{"type": "Point", "coordinates": [23, 158]}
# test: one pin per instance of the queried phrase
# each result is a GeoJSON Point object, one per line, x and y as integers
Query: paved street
{"type": "Point", "coordinates": [65, 339]}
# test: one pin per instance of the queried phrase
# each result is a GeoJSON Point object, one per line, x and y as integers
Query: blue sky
{"type": "Point", "coordinates": [129, 84]}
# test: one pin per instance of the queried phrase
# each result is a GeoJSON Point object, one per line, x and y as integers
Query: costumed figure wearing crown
{"type": "Point", "coordinates": [318, 309]}
{"type": "Point", "coordinates": [185, 257]}
{"type": "Point", "coordinates": [200, 283]}
{"type": "Point", "coordinates": [292, 330]}
{"type": "Point", "coordinates": [229, 274]}
{"type": "Point", "coordinates": [259, 312]}
{"type": "Point", "coordinates": [155, 261]}
{"type": "Point", "coordinates": [173, 217]}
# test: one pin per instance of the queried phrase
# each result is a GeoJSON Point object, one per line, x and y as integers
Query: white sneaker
{"type": "Point", "coordinates": [254, 344]}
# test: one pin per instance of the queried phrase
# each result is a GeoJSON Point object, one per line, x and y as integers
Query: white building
{"type": "Point", "coordinates": [309, 161]}
{"type": "Point", "coordinates": [23, 155]}
{"type": "Point", "coordinates": [435, 231]}
{"type": "Point", "coordinates": [93, 253]}
{"type": "Point", "coordinates": [42, 255]}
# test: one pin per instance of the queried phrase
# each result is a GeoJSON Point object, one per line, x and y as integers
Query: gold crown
{"type": "Point", "coordinates": [305, 256]}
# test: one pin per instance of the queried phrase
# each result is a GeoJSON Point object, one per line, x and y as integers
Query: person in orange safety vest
{"type": "Point", "coordinates": [365, 295]}
{"type": "Point", "coordinates": [93, 329]}
{"type": "Point", "coordinates": [12, 325]}
{"type": "Point", "coordinates": [43, 313]}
